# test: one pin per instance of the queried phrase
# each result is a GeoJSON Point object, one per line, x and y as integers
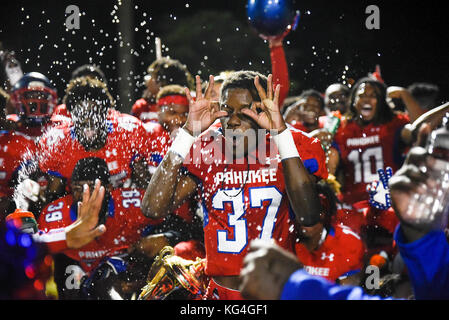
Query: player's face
{"type": "Point", "coordinates": [310, 109]}
{"type": "Point", "coordinates": [311, 232]}
{"type": "Point", "coordinates": [236, 124]}
{"type": "Point", "coordinates": [89, 118]}
{"type": "Point", "coordinates": [366, 102]}
{"type": "Point", "coordinates": [173, 116]}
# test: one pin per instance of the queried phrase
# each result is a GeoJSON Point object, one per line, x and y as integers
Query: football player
{"type": "Point", "coordinates": [120, 215]}
{"type": "Point", "coordinates": [97, 130]}
{"type": "Point", "coordinates": [332, 251]}
{"type": "Point", "coordinates": [33, 98]}
{"type": "Point", "coordinates": [246, 192]}
{"type": "Point", "coordinates": [186, 226]}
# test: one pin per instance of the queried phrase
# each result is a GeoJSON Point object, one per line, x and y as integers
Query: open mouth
{"type": "Point", "coordinates": [366, 111]}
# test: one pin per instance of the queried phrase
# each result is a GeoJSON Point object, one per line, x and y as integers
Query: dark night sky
{"type": "Point", "coordinates": [212, 35]}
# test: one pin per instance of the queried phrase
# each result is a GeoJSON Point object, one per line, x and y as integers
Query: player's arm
{"type": "Point", "coordinates": [299, 183]}
{"type": "Point", "coordinates": [168, 188]}
{"type": "Point", "coordinates": [279, 67]}
{"type": "Point", "coordinates": [413, 108]}
{"type": "Point", "coordinates": [432, 118]}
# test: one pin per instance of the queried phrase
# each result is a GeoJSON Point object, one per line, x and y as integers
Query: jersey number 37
{"type": "Point", "coordinates": [257, 196]}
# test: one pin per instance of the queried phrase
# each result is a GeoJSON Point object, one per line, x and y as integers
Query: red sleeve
{"type": "Point", "coordinates": [279, 70]}
{"type": "Point", "coordinates": [52, 222]}
{"type": "Point", "coordinates": [355, 251]}
{"type": "Point", "coordinates": [311, 153]}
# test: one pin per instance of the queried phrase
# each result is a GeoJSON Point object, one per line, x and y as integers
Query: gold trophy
{"type": "Point", "coordinates": [170, 272]}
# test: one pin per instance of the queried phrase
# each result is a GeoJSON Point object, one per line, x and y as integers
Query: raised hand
{"type": "Point", "coordinates": [267, 113]}
{"type": "Point", "coordinates": [202, 110]}
{"type": "Point", "coordinates": [85, 228]}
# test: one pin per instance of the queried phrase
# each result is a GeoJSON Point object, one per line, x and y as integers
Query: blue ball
{"type": "Point", "coordinates": [270, 17]}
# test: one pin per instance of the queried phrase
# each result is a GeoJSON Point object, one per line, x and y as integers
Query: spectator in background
{"type": "Point", "coordinates": [336, 97]}
{"type": "Point", "coordinates": [160, 73]}
{"type": "Point", "coordinates": [304, 114]}
{"type": "Point", "coordinates": [426, 94]}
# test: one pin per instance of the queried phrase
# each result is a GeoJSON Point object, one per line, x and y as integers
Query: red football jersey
{"type": "Point", "coordinates": [364, 150]}
{"type": "Point", "coordinates": [341, 254]}
{"type": "Point", "coordinates": [34, 132]}
{"type": "Point", "coordinates": [59, 150]}
{"type": "Point", "coordinates": [13, 147]}
{"type": "Point", "coordinates": [61, 115]}
{"type": "Point", "coordinates": [245, 201]}
{"type": "Point", "coordinates": [145, 111]}
{"type": "Point", "coordinates": [159, 141]}
{"type": "Point", "coordinates": [125, 225]}
{"type": "Point", "coordinates": [349, 217]}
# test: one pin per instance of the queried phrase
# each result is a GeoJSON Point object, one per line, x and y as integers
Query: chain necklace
{"type": "Point", "coordinates": [241, 188]}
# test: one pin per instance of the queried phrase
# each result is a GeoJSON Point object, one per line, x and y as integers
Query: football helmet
{"type": "Point", "coordinates": [34, 97]}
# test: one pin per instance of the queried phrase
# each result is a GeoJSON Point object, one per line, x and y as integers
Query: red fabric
{"type": "Point", "coordinates": [340, 254]}
{"type": "Point", "coordinates": [126, 140]}
{"type": "Point", "coordinates": [216, 292]}
{"type": "Point", "coordinates": [190, 250]}
{"type": "Point", "coordinates": [173, 99]}
{"type": "Point", "coordinates": [145, 111]}
{"type": "Point", "coordinates": [15, 147]}
{"type": "Point", "coordinates": [364, 150]}
{"type": "Point", "coordinates": [124, 226]}
{"type": "Point", "coordinates": [261, 209]}
{"type": "Point", "coordinates": [279, 69]}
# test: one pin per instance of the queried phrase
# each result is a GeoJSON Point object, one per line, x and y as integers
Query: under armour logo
{"type": "Point", "coordinates": [112, 165]}
{"type": "Point", "coordinates": [330, 257]}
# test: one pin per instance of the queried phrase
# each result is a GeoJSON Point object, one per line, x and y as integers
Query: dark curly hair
{"type": "Point", "coordinates": [91, 71]}
{"type": "Point", "coordinates": [83, 88]}
{"type": "Point", "coordinates": [243, 79]}
{"type": "Point", "coordinates": [171, 71]}
{"type": "Point", "coordinates": [384, 113]}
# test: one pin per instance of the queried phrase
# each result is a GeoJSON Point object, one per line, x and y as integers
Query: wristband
{"type": "Point", "coordinates": [182, 143]}
{"type": "Point", "coordinates": [286, 145]}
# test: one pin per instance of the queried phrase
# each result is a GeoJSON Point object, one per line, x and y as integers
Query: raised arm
{"type": "Point", "coordinates": [413, 107]}
{"type": "Point", "coordinates": [279, 68]}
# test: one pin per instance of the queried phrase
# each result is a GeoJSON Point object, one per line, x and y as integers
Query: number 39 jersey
{"type": "Point", "coordinates": [247, 200]}
{"type": "Point", "coordinates": [364, 150]}
{"type": "Point", "coordinates": [125, 224]}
